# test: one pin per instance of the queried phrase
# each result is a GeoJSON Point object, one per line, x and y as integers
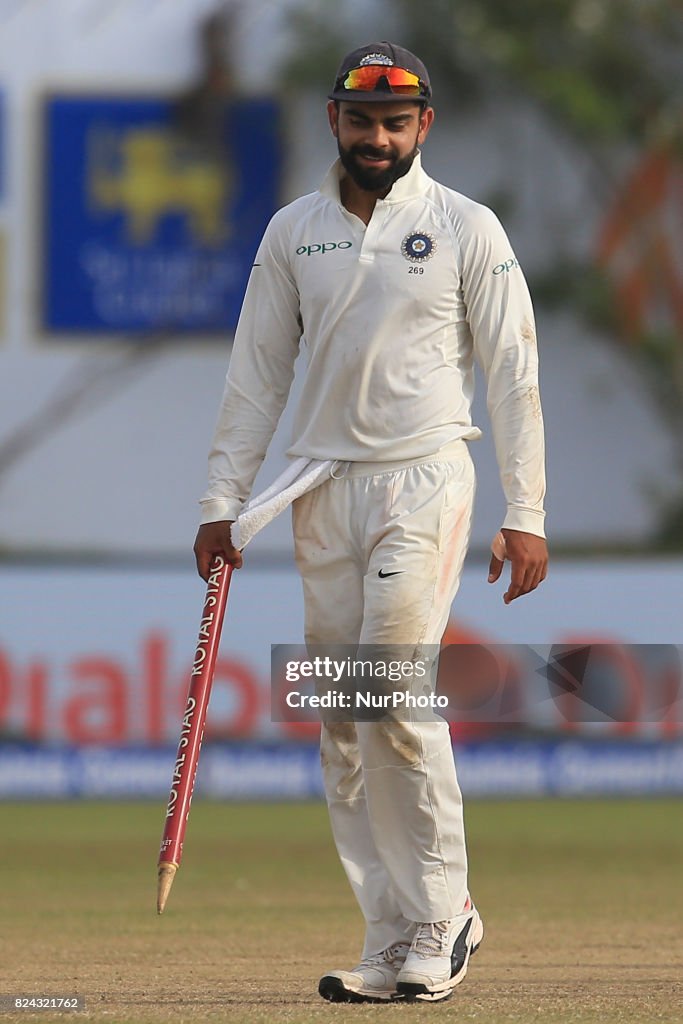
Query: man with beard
{"type": "Point", "coordinates": [393, 283]}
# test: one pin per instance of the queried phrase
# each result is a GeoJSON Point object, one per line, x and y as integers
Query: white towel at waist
{"type": "Point", "coordinates": [303, 475]}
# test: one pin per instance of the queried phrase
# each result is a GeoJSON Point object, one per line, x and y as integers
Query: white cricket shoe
{"type": "Point", "coordinates": [438, 957]}
{"type": "Point", "coordinates": [372, 981]}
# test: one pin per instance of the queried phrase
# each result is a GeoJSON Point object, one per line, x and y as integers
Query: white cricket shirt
{"type": "Point", "coordinates": [390, 317]}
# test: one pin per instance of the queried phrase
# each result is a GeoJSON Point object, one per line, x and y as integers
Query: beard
{"type": "Point", "coordinates": [369, 179]}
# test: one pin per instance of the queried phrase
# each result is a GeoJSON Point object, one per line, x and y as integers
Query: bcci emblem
{"type": "Point", "coordinates": [418, 247]}
{"type": "Point", "coordinates": [376, 58]}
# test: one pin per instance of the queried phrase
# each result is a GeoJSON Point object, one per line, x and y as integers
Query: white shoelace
{"type": "Point", "coordinates": [431, 939]}
{"type": "Point", "coordinates": [388, 956]}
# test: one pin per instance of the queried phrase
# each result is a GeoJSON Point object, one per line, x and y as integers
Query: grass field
{"type": "Point", "coordinates": [582, 901]}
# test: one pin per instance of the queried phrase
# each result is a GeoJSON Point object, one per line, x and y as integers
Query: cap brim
{"type": "Point", "coordinates": [363, 96]}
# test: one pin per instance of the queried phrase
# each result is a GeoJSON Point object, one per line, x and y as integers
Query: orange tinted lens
{"type": "Point", "coordinates": [367, 79]}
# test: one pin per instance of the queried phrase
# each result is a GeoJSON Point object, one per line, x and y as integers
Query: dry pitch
{"type": "Point", "coordinates": [582, 901]}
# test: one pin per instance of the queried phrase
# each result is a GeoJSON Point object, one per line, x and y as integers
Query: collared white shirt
{"type": "Point", "coordinates": [391, 316]}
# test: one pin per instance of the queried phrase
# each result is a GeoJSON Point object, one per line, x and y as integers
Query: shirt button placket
{"type": "Point", "coordinates": [373, 231]}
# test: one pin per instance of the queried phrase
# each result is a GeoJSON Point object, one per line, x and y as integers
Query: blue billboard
{"type": "Point", "coordinates": [146, 232]}
{"type": "Point", "coordinates": [283, 771]}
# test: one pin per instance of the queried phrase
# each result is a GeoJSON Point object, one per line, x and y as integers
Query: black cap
{"type": "Point", "coordinates": [380, 53]}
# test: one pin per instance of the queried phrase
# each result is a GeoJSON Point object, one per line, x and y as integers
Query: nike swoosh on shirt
{"type": "Point", "coordinates": [383, 575]}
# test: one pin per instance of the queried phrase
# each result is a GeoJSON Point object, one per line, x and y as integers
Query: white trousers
{"type": "Point", "coordinates": [393, 797]}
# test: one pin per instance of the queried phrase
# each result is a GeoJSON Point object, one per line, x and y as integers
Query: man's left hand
{"type": "Point", "coordinates": [528, 555]}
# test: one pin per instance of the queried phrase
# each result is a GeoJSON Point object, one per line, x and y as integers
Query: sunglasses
{"type": "Point", "coordinates": [366, 79]}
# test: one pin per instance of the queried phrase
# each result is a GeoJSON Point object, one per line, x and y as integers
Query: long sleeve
{"type": "Point", "coordinates": [258, 380]}
{"type": "Point", "coordinates": [501, 320]}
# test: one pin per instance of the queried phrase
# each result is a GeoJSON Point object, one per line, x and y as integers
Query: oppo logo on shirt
{"type": "Point", "coordinates": [505, 268]}
{"type": "Point", "coordinates": [310, 250]}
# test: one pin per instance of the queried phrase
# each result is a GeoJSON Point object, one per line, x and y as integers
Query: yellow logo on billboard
{"type": "Point", "coordinates": [148, 174]}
